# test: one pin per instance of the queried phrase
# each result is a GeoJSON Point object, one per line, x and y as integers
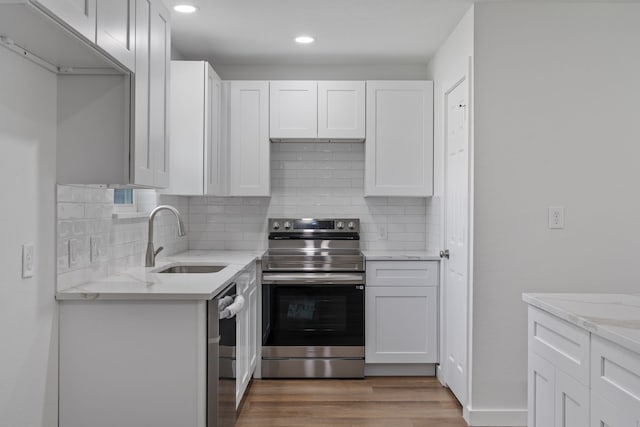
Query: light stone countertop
{"type": "Point", "coordinates": [615, 317]}
{"type": "Point", "coordinates": [401, 256]}
{"type": "Point", "coordinates": [143, 283]}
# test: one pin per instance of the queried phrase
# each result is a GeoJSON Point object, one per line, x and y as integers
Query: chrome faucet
{"type": "Point", "coordinates": [150, 259]}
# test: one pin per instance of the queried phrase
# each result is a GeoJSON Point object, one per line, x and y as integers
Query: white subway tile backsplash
{"type": "Point", "coordinates": [85, 212]}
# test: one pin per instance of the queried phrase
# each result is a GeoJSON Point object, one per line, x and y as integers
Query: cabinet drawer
{"type": "Point", "coordinates": [564, 345]}
{"type": "Point", "coordinates": [615, 374]}
{"type": "Point", "coordinates": [402, 273]}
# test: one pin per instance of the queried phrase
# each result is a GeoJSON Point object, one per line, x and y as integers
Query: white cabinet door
{"type": "Point", "coordinates": [615, 375]}
{"type": "Point", "coordinates": [115, 30]}
{"type": "Point", "coordinates": [399, 147]}
{"type": "Point", "coordinates": [159, 63]}
{"type": "Point", "coordinates": [253, 326]}
{"type": "Point", "coordinates": [572, 402]}
{"type": "Point", "coordinates": [141, 162]}
{"type": "Point", "coordinates": [242, 354]}
{"type": "Point", "coordinates": [412, 310]}
{"type": "Point", "coordinates": [249, 150]}
{"type": "Point", "coordinates": [606, 414]}
{"type": "Point", "coordinates": [80, 15]}
{"type": "Point", "coordinates": [341, 110]}
{"type": "Point", "coordinates": [293, 112]}
{"type": "Point", "coordinates": [195, 129]}
{"type": "Point", "coordinates": [541, 383]}
{"type": "Point", "coordinates": [188, 127]}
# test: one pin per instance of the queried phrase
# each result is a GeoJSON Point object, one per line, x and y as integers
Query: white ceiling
{"type": "Point", "coordinates": [358, 32]}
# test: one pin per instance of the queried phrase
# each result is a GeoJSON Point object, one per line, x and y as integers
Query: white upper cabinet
{"type": "Point", "coordinates": [110, 24]}
{"type": "Point", "coordinates": [399, 146]}
{"type": "Point", "coordinates": [113, 129]}
{"type": "Point", "coordinates": [310, 110]}
{"type": "Point", "coordinates": [79, 15]}
{"type": "Point", "coordinates": [160, 65]}
{"type": "Point", "coordinates": [248, 138]}
{"type": "Point", "coordinates": [116, 29]}
{"type": "Point", "coordinates": [341, 112]}
{"type": "Point", "coordinates": [195, 129]}
{"type": "Point", "coordinates": [293, 112]}
{"type": "Point", "coordinates": [150, 148]}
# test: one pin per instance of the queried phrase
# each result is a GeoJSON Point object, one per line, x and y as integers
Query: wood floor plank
{"type": "Point", "coordinates": [371, 402]}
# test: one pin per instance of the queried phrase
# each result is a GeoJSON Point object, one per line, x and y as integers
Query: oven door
{"type": "Point", "coordinates": [312, 314]}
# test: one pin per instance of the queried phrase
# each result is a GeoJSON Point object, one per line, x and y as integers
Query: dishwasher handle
{"type": "Point", "coordinates": [234, 308]}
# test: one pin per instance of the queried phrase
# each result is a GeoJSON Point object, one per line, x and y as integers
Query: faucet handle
{"type": "Point", "coordinates": [158, 251]}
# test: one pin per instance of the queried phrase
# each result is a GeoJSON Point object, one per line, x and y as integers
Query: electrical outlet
{"type": "Point", "coordinates": [28, 261]}
{"type": "Point", "coordinates": [556, 217]}
{"type": "Point", "coordinates": [97, 248]}
{"type": "Point", "coordinates": [382, 232]}
{"type": "Point", "coordinates": [74, 249]}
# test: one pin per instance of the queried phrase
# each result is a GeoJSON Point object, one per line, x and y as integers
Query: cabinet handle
{"type": "Point", "coordinates": [444, 254]}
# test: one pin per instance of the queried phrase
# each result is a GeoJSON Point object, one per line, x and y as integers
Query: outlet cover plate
{"type": "Point", "coordinates": [556, 217]}
{"type": "Point", "coordinates": [28, 260]}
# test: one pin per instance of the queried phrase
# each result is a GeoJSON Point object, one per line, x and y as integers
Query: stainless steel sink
{"type": "Point", "coordinates": [192, 269]}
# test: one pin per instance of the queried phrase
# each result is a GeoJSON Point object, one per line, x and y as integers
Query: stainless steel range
{"type": "Point", "coordinates": [313, 284]}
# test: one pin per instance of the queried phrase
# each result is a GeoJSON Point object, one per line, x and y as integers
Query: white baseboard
{"type": "Point", "coordinates": [495, 417]}
{"type": "Point", "coordinates": [440, 375]}
{"type": "Point", "coordinates": [400, 370]}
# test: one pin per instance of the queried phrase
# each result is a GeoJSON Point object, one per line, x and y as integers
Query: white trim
{"type": "Point", "coordinates": [440, 374]}
{"type": "Point", "coordinates": [495, 417]}
{"type": "Point", "coordinates": [129, 215]}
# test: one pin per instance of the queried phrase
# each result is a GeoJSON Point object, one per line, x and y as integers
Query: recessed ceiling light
{"type": "Point", "coordinates": [185, 8]}
{"type": "Point", "coordinates": [304, 39]}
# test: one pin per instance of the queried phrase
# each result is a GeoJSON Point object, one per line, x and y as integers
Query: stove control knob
{"type": "Point", "coordinates": [351, 225]}
{"type": "Point", "coordinates": [339, 225]}
{"type": "Point", "coordinates": [287, 225]}
{"type": "Point", "coordinates": [276, 225]}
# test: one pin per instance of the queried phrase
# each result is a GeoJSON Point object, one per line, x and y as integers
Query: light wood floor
{"type": "Point", "coordinates": [372, 402]}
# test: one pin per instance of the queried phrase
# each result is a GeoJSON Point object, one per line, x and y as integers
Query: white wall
{"type": "Point", "coordinates": [322, 72]}
{"type": "Point", "coordinates": [28, 311]}
{"type": "Point", "coordinates": [557, 123]}
{"type": "Point", "coordinates": [312, 180]}
{"type": "Point", "coordinates": [448, 66]}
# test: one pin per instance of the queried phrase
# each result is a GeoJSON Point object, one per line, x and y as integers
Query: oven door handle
{"type": "Point", "coordinates": [313, 279]}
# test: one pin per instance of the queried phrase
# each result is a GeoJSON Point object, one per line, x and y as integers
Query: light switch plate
{"type": "Point", "coordinates": [28, 260]}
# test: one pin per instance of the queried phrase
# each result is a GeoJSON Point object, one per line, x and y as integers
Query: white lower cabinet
{"type": "Point", "coordinates": [133, 363]}
{"type": "Point", "coordinates": [578, 379]}
{"type": "Point", "coordinates": [541, 382]}
{"type": "Point", "coordinates": [607, 414]}
{"type": "Point", "coordinates": [401, 312]}
{"type": "Point", "coordinates": [558, 357]}
{"type": "Point", "coordinates": [572, 402]}
{"type": "Point", "coordinates": [246, 330]}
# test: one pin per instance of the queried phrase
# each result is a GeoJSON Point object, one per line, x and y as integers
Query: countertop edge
{"type": "Point", "coordinates": [82, 293]}
{"type": "Point", "coordinates": [536, 300]}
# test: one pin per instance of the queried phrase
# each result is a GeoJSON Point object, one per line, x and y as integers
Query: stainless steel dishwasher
{"type": "Point", "coordinates": [221, 381]}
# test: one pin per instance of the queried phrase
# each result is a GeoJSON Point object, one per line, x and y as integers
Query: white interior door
{"type": "Point", "coordinates": [456, 269]}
